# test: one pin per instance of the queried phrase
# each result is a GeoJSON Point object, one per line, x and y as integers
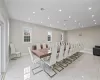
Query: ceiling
{"type": "Point", "coordinates": [61, 14]}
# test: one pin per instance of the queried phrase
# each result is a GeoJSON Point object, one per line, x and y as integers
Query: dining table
{"type": "Point", "coordinates": [41, 53]}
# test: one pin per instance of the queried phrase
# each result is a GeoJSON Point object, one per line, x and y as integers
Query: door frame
{"type": "Point", "coordinates": [0, 49]}
{"type": "Point", "coordinates": [1, 26]}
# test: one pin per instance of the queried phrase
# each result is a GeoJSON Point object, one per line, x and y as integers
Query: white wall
{"type": "Point", "coordinates": [39, 34]}
{"type": "Point", "coordinates": [90, 36]}
{"type": "Point", "coordinates": [5, 37]}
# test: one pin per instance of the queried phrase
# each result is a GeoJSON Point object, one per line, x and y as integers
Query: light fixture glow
{"type": "Point", "coordinates": [92, 16]}
{"type": "Point", "coordinates": [48, 17]}
{"type": "Point", "coordinates": [64, 24]}
{"type": "Point", "coordinates": [94, 20]}
{"type": "Point", "coordinates": [90, 8]}
{"type": "Point", "coordinates": [60, 10]}
{"type": "Point", "coordinates": [69, 16]}
{"type": "Point", "coordinates": [82, 76]}
{"type": "Point", "coordinates": [33, 12]}
{"type": "Point", "coordinates": [75, 20]}
{"type": "Point", "coordinates": [95, 23]}
{"type": "Point", "coordinates": [41, 21]}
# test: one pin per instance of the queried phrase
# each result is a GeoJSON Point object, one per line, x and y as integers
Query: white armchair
{"type": "Point", "coordinates": [14, 51]}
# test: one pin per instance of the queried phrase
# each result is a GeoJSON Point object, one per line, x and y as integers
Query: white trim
{"type": "Point", "coordinates": [30, 30]}
{"type": "Point", "coordinates": [0, 52]}
{"type": "Point", "coordinates": [49, 33]}
{"type": "Point", "coordinates": [86, 50]}
{"type": "Point", "coordinates": [24, 54]}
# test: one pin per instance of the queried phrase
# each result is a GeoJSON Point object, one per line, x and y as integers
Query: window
{"type": "Point", "coordinates": [62, 36]}
{"type": "Point", "coordinates": [49, 36]}
{"type": "Point", "coordinates": [27, 35]}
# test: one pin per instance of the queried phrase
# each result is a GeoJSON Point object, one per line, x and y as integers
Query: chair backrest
{"type": "Point", "coordinates": [44, 45]}
{"type": "Point", "coordinates": [66, 51]}
{"type": "Point", "coordinates": [61, 53]}
{"type": "Point", "coordinates": [13, 51]}
{"type": "Point", "coordinates": [34, 47]}
{"type": "Point", "coordinates": [53, 55]}
{"type": "Point", "coordinates": [41, 46]}
{"type": "Point", "coordinates": [71, 50]}
{"type": "Point", "coordinates": [32, 58]}
{"type": "Point", "coordinates": [38, 46]}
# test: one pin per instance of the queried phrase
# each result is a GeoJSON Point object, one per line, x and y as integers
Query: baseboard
{"type": "Point", "coordinates": [89, 51]}
{"type": "Point", "coordinates": [24, 54]}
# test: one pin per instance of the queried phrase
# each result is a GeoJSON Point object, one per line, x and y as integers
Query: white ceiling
{"type": "Point", "coordinates": [77, 9]}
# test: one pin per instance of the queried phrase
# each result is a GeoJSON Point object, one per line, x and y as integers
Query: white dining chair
{"type": "Point", "coordinates": [66, 52]}
{"type": "Point", "coordinates": [44, 45]}
{"type": "Point", "coordinates": [61, 53]}
{"type": "Point", "coordinates": [60, 57]}
{"type": "Point", "coordinates": [38, 46]}
{"type": "Point", "coordinates": [71, 52]}
{"type": "Point", "coordinates": [14, 51]}
{"type": "Point", "coordinates": [52, 61]}
{"type": "Point", "coordinates": [66, 55]}
{"type": "Point", "coordinates": [35, 60]}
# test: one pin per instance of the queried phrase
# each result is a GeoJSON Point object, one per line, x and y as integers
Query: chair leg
{"type": "Point", "coordinates": [36, 72]}
{"type": "Point", "coordinates": [63, 64]}
{"type": "Point", "coordinates": [66, 61]}
{"type": "Point", "coordinates": [58, 65]}
{"type": "Point", "coordinates": [49, 74]}
{"type": "Point", "coordinates": [70, 61]}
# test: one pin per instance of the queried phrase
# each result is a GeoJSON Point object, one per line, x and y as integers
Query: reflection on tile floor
{"type": "Point", "coordinates": [87, 67]}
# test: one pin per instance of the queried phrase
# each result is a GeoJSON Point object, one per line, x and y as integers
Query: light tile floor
{"type": "Point", "coordinates": [87, 67]}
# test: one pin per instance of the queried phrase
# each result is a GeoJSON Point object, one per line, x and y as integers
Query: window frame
{"type": "Point", "coordinates": [30, 31]}
{"type": "Point", "coordinates": [49, 33]}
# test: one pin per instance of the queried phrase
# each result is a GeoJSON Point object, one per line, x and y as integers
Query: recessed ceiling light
{"type": "Point", "coordinates": [69, 16]}
{"type": "Point", "coordinates": [95, 23]}
{"type": "Point", "coordinates": [82, 76]}
{"type": "Point", "coordinates": [48, 18]}
{"type": "Point", "coordinates": [41, 21]}
{"type": "Point", "coordinates": [90, 8]}
{"type": "Point", "coordinates": [60, 10]}
{"type": "Point", "coordinates": [75, 20]}
{"type": "Point", "coordinates": [33, 12]}
{"type": "Point", "coordinates": [94, 20]}
{"type": "Point", "coordinates": [92, 16]}
{"type": "Point", "coordinates": [57, 21]}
